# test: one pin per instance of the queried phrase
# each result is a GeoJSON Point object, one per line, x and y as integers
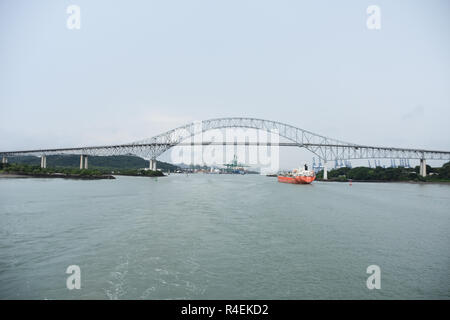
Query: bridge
{"type": "Point", "coordinates": [327, 149]}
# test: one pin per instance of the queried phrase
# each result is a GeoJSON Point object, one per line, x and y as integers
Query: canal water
{"type": "Point", "coordinates": [222, 237]}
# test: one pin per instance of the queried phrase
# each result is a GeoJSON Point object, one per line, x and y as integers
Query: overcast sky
{"type": "Point", "coordinates": [138, 68]}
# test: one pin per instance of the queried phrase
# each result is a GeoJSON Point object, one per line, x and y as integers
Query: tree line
{"type": "Point", "coordinates": [388, 174]}
{"type": "Point", "coordinates": [95, 162]}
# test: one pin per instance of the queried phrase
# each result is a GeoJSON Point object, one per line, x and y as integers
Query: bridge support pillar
{"type": "Point", "coordinates": [325, 173]}
{"type": "Point", "coordinates": [152, 165]}
{"type": "Point", "coordinates": [83, 162]}
{"type": "Point", "coordinates": [423, 168]}
{"type": "Point", "coordinates": [4, 159]}
{"type": "Point", "coordinates": [43, 161]}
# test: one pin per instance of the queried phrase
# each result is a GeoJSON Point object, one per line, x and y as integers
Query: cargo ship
{"type": "Point", "coordinates": [298, 176]}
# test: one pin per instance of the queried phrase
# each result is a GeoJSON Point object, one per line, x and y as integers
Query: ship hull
{"type": "Point", "coordinates": [296, 179]}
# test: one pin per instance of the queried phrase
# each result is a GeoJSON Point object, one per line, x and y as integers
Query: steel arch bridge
{"type": "Point", "coordinates": [328, 149]}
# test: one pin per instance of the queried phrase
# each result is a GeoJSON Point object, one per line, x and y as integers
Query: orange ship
{"type": "Point", "coordinates": [298, 176]}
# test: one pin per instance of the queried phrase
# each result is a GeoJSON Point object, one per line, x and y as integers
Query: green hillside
{"type": "Point", "coordinates": [94, 162]}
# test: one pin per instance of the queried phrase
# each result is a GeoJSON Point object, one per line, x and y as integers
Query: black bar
{"type": "Point", "coordinates": [227, 309]}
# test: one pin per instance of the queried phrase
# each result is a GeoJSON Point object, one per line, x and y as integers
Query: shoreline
{"type": "Point", "coordinates": [16, 175]}
{"type": "Point", "coordinates": [387, 181]}
{"type": "Point", "coordinates": [138, 175]}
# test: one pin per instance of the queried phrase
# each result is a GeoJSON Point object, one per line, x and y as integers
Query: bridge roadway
{"type": "Point", "coordinates": [444, 154]}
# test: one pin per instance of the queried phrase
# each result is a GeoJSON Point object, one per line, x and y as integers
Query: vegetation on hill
{"type": "Point", "coordinates": [388, 174]}
{"type": "Point", "coordinates": [95, 162]}
{"type": "Point", "coordinates": [37, 171]}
